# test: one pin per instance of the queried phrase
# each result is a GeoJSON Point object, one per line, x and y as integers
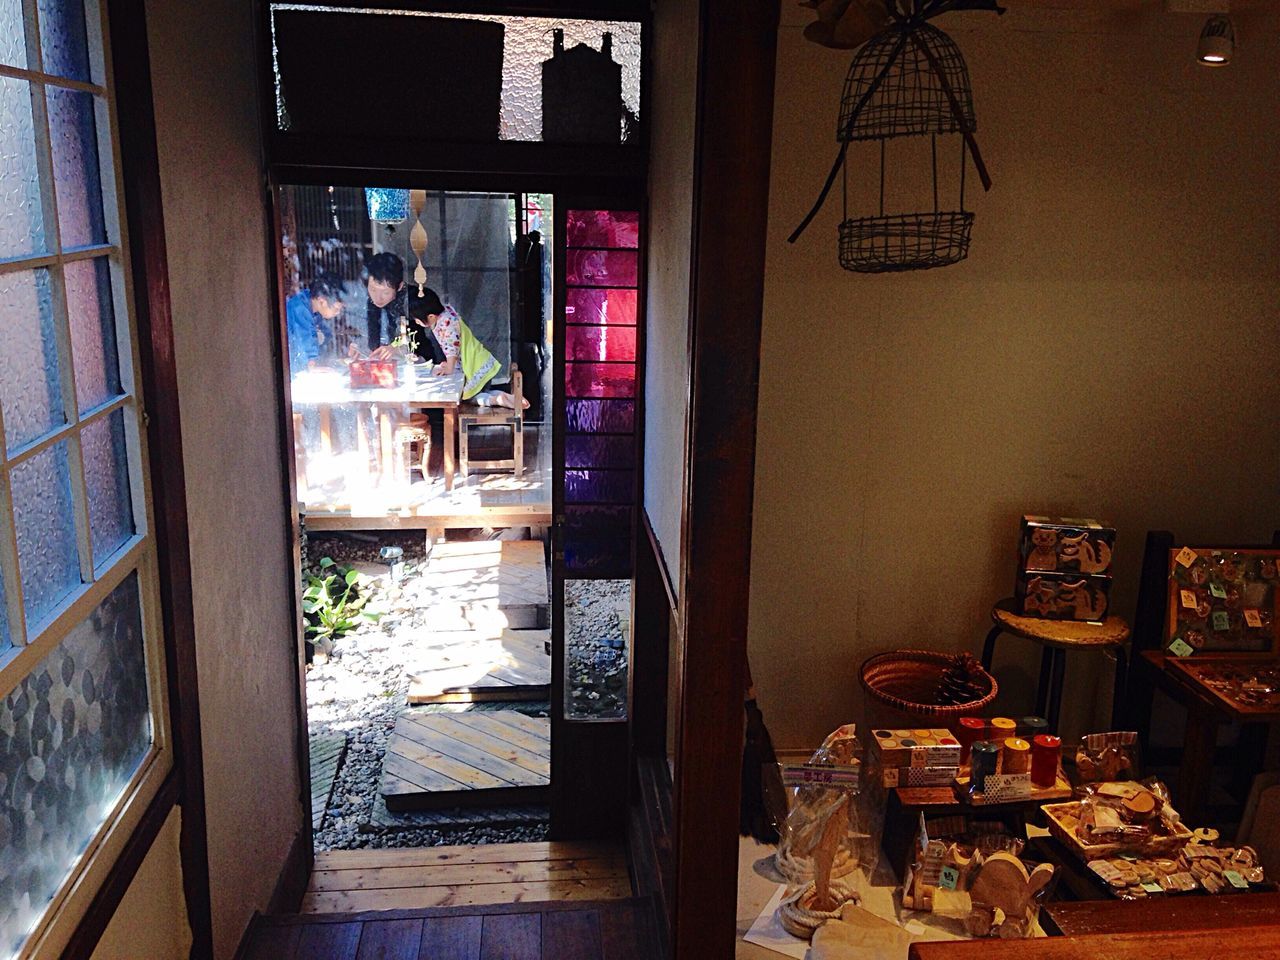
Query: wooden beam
{"type": "Point", "coordinates": [737, 50]}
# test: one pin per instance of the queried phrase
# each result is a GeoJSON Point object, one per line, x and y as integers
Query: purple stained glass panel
{"type": "Point", "coordinates": [600, 416]}
{"type": "Point", "coordinates": [601, 268]}
{"type": "Point", "coordinates": [612, 307]}
{"type": "Point", "coordinates": [600, 379]}
{"type": "Point", "coordinates": [599, 486]}
{"type": "Point", "coordinates": [588, 451]}
{"type": "Point", "coordinates": [600, 343]}
{"type": "Point", "coordinates": [603, 228]}
{"type": "Point", "coordinates": [598, 539]}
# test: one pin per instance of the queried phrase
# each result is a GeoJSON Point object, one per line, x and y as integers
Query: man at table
{"type": "Point", "coordinates": [385, 310]}
{"type": "Point", "coordinates": [309, 314]}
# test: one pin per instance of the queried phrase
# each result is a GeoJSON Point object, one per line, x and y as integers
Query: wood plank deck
{"type": "Point", "coordinates": [466, 666]}
{"type": "Point", "coordinates": [450, 759]}
{"type": "Point", "coordinates": [326, 755]}
{"type": "Point", "coordinates": [351, 881]}
{"type": "Point", "coordinates": [608, 929]}
{"type": "Point", "coordinates": [487, 585]}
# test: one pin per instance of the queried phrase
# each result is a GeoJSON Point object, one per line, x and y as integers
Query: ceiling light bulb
{"type": "Point", "coordinates": [1217, 41]}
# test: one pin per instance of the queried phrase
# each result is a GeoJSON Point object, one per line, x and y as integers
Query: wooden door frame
{"type": "Point", "coordinates": [148, 265]}
{"type": "Point", "coordinates": [732, 144]}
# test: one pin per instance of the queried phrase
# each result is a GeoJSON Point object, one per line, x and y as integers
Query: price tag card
{"type": "Point", "coordinates": [1153, 888]}
{"type": "Point", "coordinates": [795, 774]}
{"type": "Point", "coordinates": [948, 878]}
{"type": "Point", "coordinates": [1234, 878]}
{"type": "Point", "coordinates": [1129, 856]}
{"type": "Point", "coordinates": [1006, 786]}
{"type": "Point", "coordinates": [1221, 620]}
{"type": "Point", "coordinates": [1188, 598]}
{"type": "Point", "coordinates": [1218, 590]}
{"type": "Point", "coordinates": [1186, 556]}
{"type": "Point", "coordinates": [1180, 648]}
{"type": "Point", "coordinates": [1105, 870]}
{"type": "Point", "coordinates": [1252, 618]}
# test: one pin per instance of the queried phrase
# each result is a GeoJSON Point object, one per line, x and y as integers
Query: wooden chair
{"type": "Point", "coordinates": [473, 415]}
{"type": "Point", "coordinates": [1204, 715]}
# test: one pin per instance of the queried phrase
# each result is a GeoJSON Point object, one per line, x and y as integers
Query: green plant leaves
{"type": "Point", "coordinates": [330, 609]}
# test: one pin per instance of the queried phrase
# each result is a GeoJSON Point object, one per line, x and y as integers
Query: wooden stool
{"type": "Point", "coordinates": [406, 435]}
{"type": "Point", "coordinates": [1057, 637]}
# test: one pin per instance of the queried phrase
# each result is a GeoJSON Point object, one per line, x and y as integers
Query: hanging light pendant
{"type": "Point", "coordinates": [387, 204]}
{"type": "Point", "coordinates": [1217, 41]}
{"type": "Point", "coordinates": [418, 238]}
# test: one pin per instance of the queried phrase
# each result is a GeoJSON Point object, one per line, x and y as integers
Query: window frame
{"type": "Point", "coordinates": [33, 642]}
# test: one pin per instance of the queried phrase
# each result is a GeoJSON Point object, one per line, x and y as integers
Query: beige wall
{"type": "Point", "coordinates": [204, 76]}
{"type": "Point", "coordinates": [675, 66]}
{"type": "Point", "coordinates": [1109, 348]}
{"type": "Point", "coordinates": [151, 921]}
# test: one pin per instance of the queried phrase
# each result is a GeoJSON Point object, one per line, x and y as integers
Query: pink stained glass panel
{"type": "Point", "coordinates": [600, 343]}
{"type": "Point", "coordinates": [600, 379]}
{"type": "Point", "coordinates": [611, 307]}
{"type": "Point", "coordinates": [602, 268]}
{"type": "Point", "coordinates": [616, 229]}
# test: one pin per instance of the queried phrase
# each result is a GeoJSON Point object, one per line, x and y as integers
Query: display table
{"type": "Point", "coordinates": [1161, 913]}
{"type": "Point", "coordinates": [1257, 941]}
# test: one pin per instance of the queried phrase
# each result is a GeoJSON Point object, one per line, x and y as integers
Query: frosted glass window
{"type": "Point", "coordinates": [565, 81]}
{"type": "Point", "coordinates": [64, 40]}
{"type": "Point", "coordinates": [30, 380]}
{"type": "Point", "coordinates": [44, 519]}
{"type": "Point", "coordinates": [13, 45]}
{"type": "Point", "coordinates": [73, 134]}
{"type": "Point", "coordinates": [72, 735]}
{"type": "Point", "coordinates": [21, 215]}
{"type": "Point", "coordinates": [106, 476]}
{"type": "Point", "coordinates": [6, 636]}
{"type": "Point", "coordinates": [93, 332]}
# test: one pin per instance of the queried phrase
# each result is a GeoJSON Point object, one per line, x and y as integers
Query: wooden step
{"type": "Point", "coordinates": [467, 666]}
{"type": "Point", "coordinates": [326, 755]}
{"type": "Point", "coordinates": [452, 759]}
{"type": "Point", "coordinates": [486, 585]}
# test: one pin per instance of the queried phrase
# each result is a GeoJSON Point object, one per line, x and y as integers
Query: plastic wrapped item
{"type": "Point", "coordinates": [977, 880]}
{"type": "Point", "coordinates": [828, 837]}
{"type": "Point", "coordinates": [1108, 756]}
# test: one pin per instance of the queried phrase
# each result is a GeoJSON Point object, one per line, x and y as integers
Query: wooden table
{"type": "Point", "coordinates": [327, 388]}
{"type": "Point", "coordinates": [1183, 912]}
{"type": "Point", "coordinates": [1155, 944]}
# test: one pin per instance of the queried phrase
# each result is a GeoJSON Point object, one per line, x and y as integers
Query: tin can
{"type": "Point", "coordinates": [969, 730]}
{"type": "Point", "coordinates": [1046, 753]}
{"type": "Point", "coordinates": [1002, 728]}
{"type": "Point", "coordinates": [984, 757]}
{"type": "Point", "coordinates": [1031, 727]}
{"type": "Point", "coordinates": [1015, 756]}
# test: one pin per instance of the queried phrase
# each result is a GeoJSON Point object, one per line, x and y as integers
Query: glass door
{"type": "Point", "coordinates": [595, 490]}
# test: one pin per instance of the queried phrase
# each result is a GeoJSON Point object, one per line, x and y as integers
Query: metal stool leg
{"type": "Point", "coordinates": [1119, 720]}
{"type": "Point", "coordinates": [989, 647]}
{"type": "Point", "coordinates": [1042, 689]}
{"type": "Point", "coordinates": [1055, 688]}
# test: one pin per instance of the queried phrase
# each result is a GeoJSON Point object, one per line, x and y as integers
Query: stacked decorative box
{"type": "Point", "coordinates": [915, 758]}
{"type": "Point", "coordinates": [1064, 568]}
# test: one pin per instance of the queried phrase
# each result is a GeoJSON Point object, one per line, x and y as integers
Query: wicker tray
{"type": "Point", "coordinates": [1156, 847]}
{"type": "Point", "coordinates": [907, 680]}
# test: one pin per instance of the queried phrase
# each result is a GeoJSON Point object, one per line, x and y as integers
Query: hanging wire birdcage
{"type": "Point", "coordinates": [910, 81]}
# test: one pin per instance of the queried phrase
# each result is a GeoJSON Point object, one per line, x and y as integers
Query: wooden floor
{"type": "Point", "coordinates": [467, 666]}
{"type": "Point", "coordinates": [448, 759]}
{"type": "Point", "coordinates": [351, 881]}
{"type": "Point", "coordinates": [485, 584]}
{"type": "Point", "coordinates": [481, 500]}
{"type": "Point", "coordinates": [617, 930]}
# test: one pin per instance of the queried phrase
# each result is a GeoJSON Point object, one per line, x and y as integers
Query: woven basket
{"type": "Point", "coordinates": [906, 681]}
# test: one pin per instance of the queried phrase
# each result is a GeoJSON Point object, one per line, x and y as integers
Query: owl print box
{"type": "Point", "coordinates": [1064, 568]}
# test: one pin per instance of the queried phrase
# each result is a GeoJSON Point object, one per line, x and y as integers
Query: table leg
{"type": "Point", "coordinates": [1119, 698]}
{"type": "Point", "coordinates": [1042, 689]}
{"type": "Point", "coordinates": [386, 453]}
{"type": "Point", "coordinates": [1055, 688]}
{"type": "Point", "coordinates": [1196, 771]}
{"type": "Point", "coordinates": [362, 439]}
{"type": "Point", "coordinates": [450, 424]}
{"type": "Point", "coordinates": [326, 430]}
{"type": "Point", "coordinates": [989, 647]}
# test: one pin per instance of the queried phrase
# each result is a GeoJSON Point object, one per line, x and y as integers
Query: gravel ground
{"type": "Point", "coordinates": [594, 613]}
{"type": "Point", "coordinates": [361, 690]}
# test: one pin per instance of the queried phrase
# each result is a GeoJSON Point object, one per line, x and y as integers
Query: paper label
{"type": "Point", "coordinates": [1188, 598]}
{"type": "Point", "coordinates": [1180, 648]}
{"type": "Point", "coordinates": [1234, 878]}
{"type": "Point", "coordinates": [1006, 786]}
{"type": "Point", "coordinates": [1129, 856]}
{"type": "Point", "coordinates": [1186, 556]}
{"type": "Point", "coordinates": [948, 878]}
{"type": "Point", "coordinates": [1221, 620]}
{"type": "Point", "coordinates": [1153, 888]}
{"type": "Point", "coordinates": [1194, 851]}
{"type": "Point", "coordinates": [1218, 590]}
{"type": "Point", "coordinates": [1252, 618]}
{"type": "Point", "coordinates": [796, 774]}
